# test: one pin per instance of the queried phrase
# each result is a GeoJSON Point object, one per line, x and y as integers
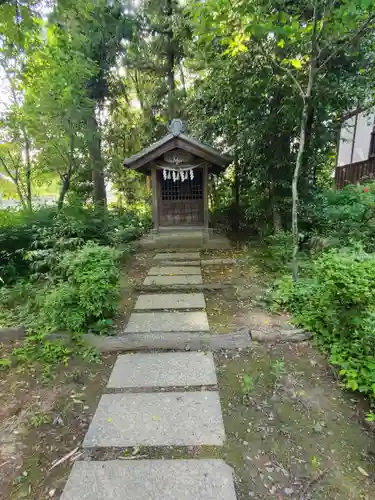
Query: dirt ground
{"type": "Point", "coordinates": [292, 433]}
{"type": "Point", "coordinates": [44, 416]}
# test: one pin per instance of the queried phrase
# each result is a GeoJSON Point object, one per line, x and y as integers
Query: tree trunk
{"type": "Point", "coordinates": [170, 63]}
{"type": "Point", "coordinates": [301, 148]}
{"type": "Point", "coordinates": [64, 189]}
{"type": "Point", "coordinates": [236, 212]}
{"type": "Point", "coordinates": [306, 163]}
{"type": "Point", "coordinates": [15, 179]}
{"type": "Point", "coordinates": [183, 82]}
{"type": "Point", "coordinates": [97, 164]}
{"type": "Point", "coordinates": [28, 171]}
{"type": "Point", "coordinates": [67, 176]}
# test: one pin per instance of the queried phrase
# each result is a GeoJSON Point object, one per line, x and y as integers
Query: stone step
{"type": "Point", "coordinates": [150, 480]}
{"type": "Point", "coordinates": [163, 369]}
{"type": "Point", "coordinates": [193, 279]}
{"type": "Point", "coordinates": [177, 256]}
{"type": "Point", "coordinates": [202, 262]}
{"type": "Point", "coordinates": [169, 262]}
{"type": "Point", "coordinates": [157, 419]}
{"type": "Point", "coordinates": [174, 270]}
{"type": "Point", "coordinates": [181, 287]}
{"type": "Point", "coordinates": [148, 322]}
{"type": "Point", "coordinates": [171, 301]}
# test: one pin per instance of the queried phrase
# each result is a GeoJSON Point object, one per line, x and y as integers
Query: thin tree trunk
{"type": "Point", "coordinates": [15, 179]}
{"type": "Point", "coordinates": [183, 82]}
{"type": "Point", "coordinates": [28, 171]}
{"type": "Point", "coordinates": [170, 63]}
{"type": "Point", "coordinates": [306, 164]}
{"type": "Point", "coordinates": [301, 148]}
{"type": "Point", "coordinates": [67, 176]}
{"type": "Point", "coordinates": [354, 135]}
{"type": "Point", "coordinates": [64, 189]}
{"type": "Point", "coordinates": [97, 164]}
{"type": "Point", "coordinates": [236, 218]}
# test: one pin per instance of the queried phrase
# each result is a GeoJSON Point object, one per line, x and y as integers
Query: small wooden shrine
{"type": "Point", "coordinates": [179, 166]}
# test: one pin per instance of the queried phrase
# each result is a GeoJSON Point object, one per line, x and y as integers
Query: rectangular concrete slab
{"type": "Point", "coordinates": [150, 480]}
{"type": "Point", "coordinates": [178, 256]}
{"type": "Point", "coordinates": [157, 419]}
{"type": "Point", "coordinates": [160, 321]}
{"type": "Point", "coordinates": [193, 279]}
{"type": "Point", "coordinates": [178, 263]}
{"type": "Point", "coordinates": [171, 301]}
{"type": "Point", "coordinates": [174, 270]}
{"type": "Point", "coordinates": [163, 369]}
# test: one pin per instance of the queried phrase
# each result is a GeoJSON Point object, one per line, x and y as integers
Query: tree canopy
{"type": "Point", "coordinates": [89, 83]}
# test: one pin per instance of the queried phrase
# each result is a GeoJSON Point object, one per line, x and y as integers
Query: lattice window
{"type": "Point", "coordinates": [189, 189]}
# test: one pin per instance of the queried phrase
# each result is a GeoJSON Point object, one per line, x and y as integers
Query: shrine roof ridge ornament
{"type": "Point", "coordinates": [176, 127]}
{"type": "Point", "coordinates": [177, 139]}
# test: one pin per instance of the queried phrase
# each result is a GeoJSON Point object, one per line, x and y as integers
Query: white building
{"type": "Point", "coordinates": [357, 138]}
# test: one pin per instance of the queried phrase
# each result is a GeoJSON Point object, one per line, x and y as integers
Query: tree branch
{"type": "Point", "coordinates": [349, 41]}
{"type": "Point", "coordinates": [65, 158]}
{"type": "Point", "coordinates": [283, 68]}
{"type": "Point", "coordinates": [8, 172]}
{"type": "Point", "coordinates": [326, 9]}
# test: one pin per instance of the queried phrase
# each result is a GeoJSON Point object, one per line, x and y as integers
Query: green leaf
{"type": "Point", "coordinates": [296, 63]}
{"type": "Point", "coordinates": [281, 43]}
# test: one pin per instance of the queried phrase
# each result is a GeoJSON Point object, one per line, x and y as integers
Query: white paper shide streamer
{"type": "Point", "coordinates": [180, 174]}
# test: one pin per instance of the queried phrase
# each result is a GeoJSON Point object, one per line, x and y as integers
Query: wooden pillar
{"type": "Point", "coordinates": [205, 197]}
{"type": "Point", "coordinates": [155, 198]}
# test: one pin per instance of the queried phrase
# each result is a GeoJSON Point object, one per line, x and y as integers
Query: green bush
{"type": "Point", "coordinates": [337, 302]}
{"type": "Point", "coordinates": [16, 237]}
{"type": "Point", "coordinates": [341, 217]}
{"type": "Point", "coordinates": [87, 295]}
{"type": "Point", "coordinates": [31, 243]}
{"type": "Point", "coordinates": [279, 250]}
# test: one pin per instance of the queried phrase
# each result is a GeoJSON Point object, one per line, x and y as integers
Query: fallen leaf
{"type": "Point", "coordinates": [155, 417]}
{"type": "Point", "coordinates": [362, 471]}
{"type": "Point", "coordinates": [63, 459]}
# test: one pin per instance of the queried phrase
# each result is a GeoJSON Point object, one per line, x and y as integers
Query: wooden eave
{"type": "Point", "coordinates": [143, 160]}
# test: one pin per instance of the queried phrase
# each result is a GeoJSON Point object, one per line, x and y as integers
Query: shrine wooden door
{"type": "Point", "coordinates": [181, 202]}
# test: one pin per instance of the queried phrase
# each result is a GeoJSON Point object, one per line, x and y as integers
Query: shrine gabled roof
{"type": "Point", "coordinates": [176, 139]}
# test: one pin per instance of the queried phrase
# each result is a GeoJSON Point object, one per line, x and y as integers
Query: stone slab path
{"type": "Point", "coordinates": [177, 256]}
{"type": "Point", "coordinates": [157, 419]}
{"type": "Point", "coordinates": [174, 270]}
{"type": "Point", "coordinates": [169, 369]}
{"type": "Point", "coordinates": [194, 279]}
{"type": "Point", "coordinates": [161, 321]}
{"type": "Point", "coordinates": [160, 399]}
{"type": "Point", "coordinates": [150, 480]}
{"type": "Point", "coordinates": [170, 301]}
